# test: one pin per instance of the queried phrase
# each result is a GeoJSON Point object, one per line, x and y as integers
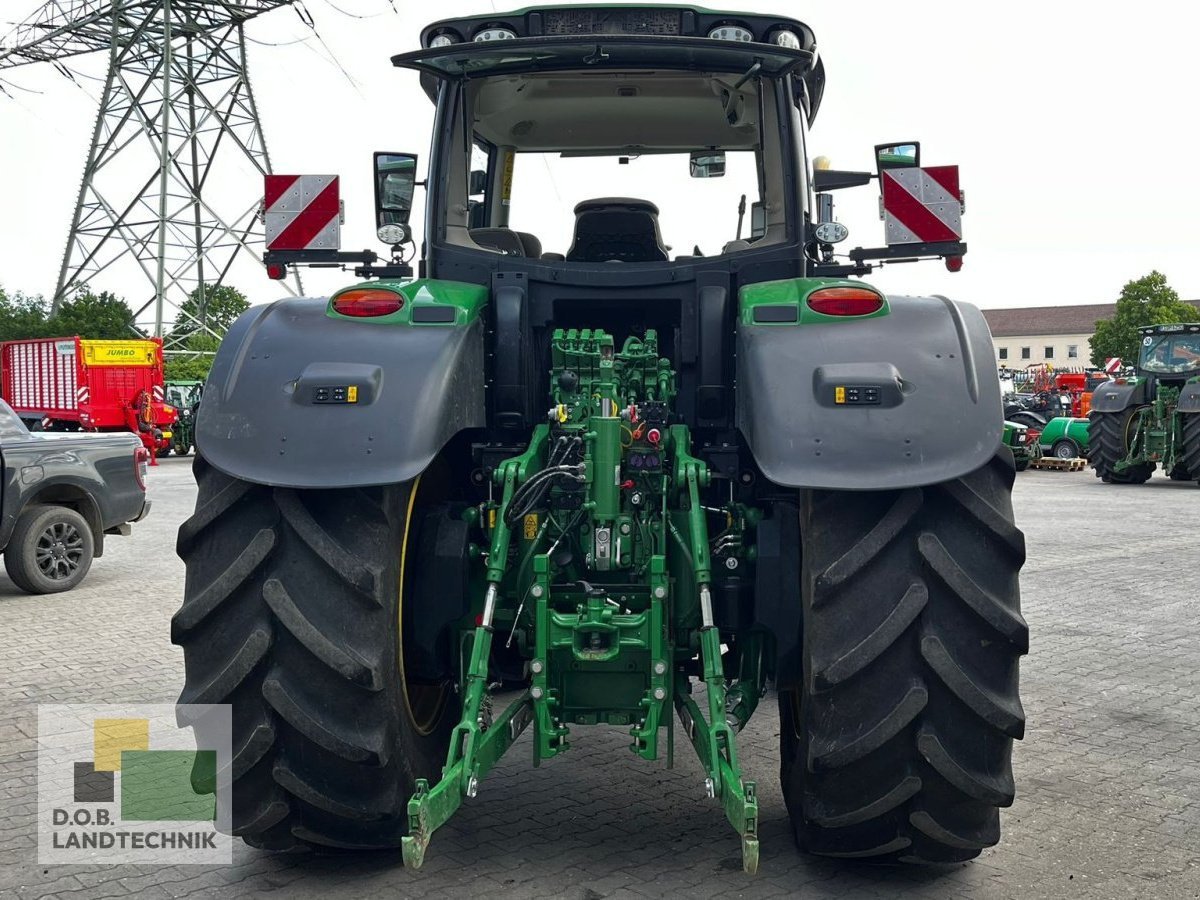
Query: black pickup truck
{"type": "Point", "coordinates": [60, 495]}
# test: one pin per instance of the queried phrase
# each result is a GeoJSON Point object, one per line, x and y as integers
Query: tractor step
{"type": "Point", "coordinates": [1061, 465]}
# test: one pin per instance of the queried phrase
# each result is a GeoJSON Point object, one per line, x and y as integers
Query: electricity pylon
{"type": "Point", "coordinates": [177, 116]}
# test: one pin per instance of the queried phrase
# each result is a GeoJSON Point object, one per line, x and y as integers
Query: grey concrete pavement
{"type": "Point", "coordinates": [1108, 777]}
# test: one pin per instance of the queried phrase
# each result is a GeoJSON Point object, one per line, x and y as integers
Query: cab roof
{"type": "Point", "coordinates": [642, 36]}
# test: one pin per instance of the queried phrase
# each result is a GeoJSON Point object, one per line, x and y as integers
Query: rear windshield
{"type": "Point", "coordinates": [696, 216]}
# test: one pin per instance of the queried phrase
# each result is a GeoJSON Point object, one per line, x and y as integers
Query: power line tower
{"type": "Point", "coordinates": [177, 117]}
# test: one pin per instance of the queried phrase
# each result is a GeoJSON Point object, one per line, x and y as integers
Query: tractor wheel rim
{"type": "Point", "coordinates": [424, 702]}
{"type": "Point", "coordinates": [59, 551]}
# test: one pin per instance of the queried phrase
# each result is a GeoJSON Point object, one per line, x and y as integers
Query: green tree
{"type": "Point", "coordinates": [89, 315]}
{"type": "Point", "coordinates": [23, 316]}
{"type": "Point", "coordinates": [192, 368]}
{"type": "Point", "coordinates": [1147, 301]}
{"type": "Point", "coordinates": [214, 305]}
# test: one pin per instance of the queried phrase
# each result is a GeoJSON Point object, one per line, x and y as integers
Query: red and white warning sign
{"type": "Point", "coordinates": [921, 205]}
{"type": "Point", "coordinates": [303, 212]}
{"type": "Point", "coordinates": [1112, 365]}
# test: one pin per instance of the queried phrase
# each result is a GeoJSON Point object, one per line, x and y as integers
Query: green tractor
{"type": "Point", "coordinates": [1152, 419]}
{"type": "Point", "coordinates": [602, 482]}
{"type": "Point", "coordinates": [1017, 440]}
{"type": "Point", "coordinates": [185, 397]}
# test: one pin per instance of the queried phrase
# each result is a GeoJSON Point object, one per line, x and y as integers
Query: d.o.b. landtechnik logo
{"type": "Point", "coordinates": [127, 784]}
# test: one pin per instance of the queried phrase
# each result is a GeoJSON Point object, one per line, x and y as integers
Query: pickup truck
{"type": "Point", "coordinates": [61, 494]}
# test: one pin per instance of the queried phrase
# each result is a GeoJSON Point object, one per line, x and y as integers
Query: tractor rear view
{"type": "Point", "coordinates": [528, 466]}
{"type": "Point", "coordinates": [1152, 419]}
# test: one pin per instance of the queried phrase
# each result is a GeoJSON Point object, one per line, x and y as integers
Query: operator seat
{"type": "Point", "coordinates": [501, 240]}
{"type": "Point", "coordinates": [507, 241]}
{"type": "Point", "coordinates": [617, 229]}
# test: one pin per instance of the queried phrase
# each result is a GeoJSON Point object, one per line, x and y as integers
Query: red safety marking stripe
{"type": "Point", "coordinates": [310, 221]}
{"type": "Point", "coordinates": [276, 186]}
{"type": "Point", "coordinates": [946, 176]}
{"type": "Point", "coordinates": [913, 214]}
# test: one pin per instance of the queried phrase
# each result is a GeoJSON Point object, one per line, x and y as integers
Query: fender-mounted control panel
{"type": "Point", "coordinates": [861, 395]}
{"type": "Point", "coordinates": [843, 385]}
{"type": "Point", "coordinates": [341, 393]}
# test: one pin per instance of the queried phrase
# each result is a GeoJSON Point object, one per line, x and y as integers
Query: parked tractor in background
{"type": "Point", "coordinates": [1045, 392]}
{"type": "Point", "coordinates": [1153, 418]}
{"type": "Point", "coordinates": [529, 466]}
{"type": "Point", "coordinates": [185, 397]}
{"type": "Point", "coordinates": [1022, 443]}
{"type": "Point", "coordinates": [76, 384]}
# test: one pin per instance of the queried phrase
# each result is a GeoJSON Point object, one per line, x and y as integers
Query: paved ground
{"type": "Point", "coordinates": [1108, 778]}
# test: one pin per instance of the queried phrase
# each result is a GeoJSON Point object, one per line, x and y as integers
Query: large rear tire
{"type": "Point", "coordinates": [292, 613]}
{"type": "Point", "coordinates": [897, 743]}
{"type": "Point", "coordinates": [1191, 444]}
{"type": "Point", "coordinates": [1108, 443]}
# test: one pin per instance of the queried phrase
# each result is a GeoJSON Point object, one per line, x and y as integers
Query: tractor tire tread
{"type": "Point", "coordinates": [1106, 447]}
{"type": "Point", "coordinates": [286, 620]}
{"type": "Point", "coordinates": [1191, 444]}
{"type": "Point", "coordinates": [897, 743]}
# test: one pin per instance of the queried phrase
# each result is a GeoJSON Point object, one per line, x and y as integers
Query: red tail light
{"type": "Point", "coordinates": [141, 459]}
{"type": "Point", "coordinates": [276, 271]}
{"type": "Point", "coordinates": [845, 301]}
{"type": "Point", "coordinates": [366, 302]}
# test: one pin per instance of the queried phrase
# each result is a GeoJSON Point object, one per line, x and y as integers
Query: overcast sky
{"type": "Point", "coordinates": [1073, 124]}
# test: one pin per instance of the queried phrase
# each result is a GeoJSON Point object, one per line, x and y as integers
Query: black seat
{"type": "Point", "coordinates": [507, 241]}
{"type": "Point", "coordinates": [502, 240]}
{"type": "Point", "coordinates": [617, 229]}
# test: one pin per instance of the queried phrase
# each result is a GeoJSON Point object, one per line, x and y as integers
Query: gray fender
{"type": "Point", "coordinates": [1111, 397]}
{"type": "Point", "coordinates": [417, 386]}
{"type": "Point", "coordinates": [939, 411]}
{"type": "Point", "coordinates": [1189, 398]}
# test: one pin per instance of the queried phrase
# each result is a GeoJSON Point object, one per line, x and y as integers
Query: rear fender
{"type": "Point", "coordinates": [928, 360]}
{"type": "Point", "coordinates": [305, 399]}
{"type": "Point", "coordinates": [1189, 397]}
{"type": "Point", "coordinates": [1112, 396]}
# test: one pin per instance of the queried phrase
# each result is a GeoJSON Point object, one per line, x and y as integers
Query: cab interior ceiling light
{"type": "Point", "coordinates": [731, 33]}
{"type": "Point", "coordinates": [495, 34]}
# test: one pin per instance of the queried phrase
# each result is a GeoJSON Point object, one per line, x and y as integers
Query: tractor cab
{"type": "Point", "coordinates": [633, 169]}
{"type": "Point", "coordinates": [1170, 354]}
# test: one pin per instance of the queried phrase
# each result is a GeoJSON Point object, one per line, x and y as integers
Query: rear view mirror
{"type": "Point", "coordinates": [898, 156]}
{"type": "Point", "coordinates": [758, 220]}
{"type": "Point", "coordinates": [478, 182]}
{"type": "Point", "coordinates": [395, 184]}
{"type": "Point", "coordinates": [707, 164]}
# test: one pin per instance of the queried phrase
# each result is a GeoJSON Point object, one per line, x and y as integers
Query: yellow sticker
{"type": "Point", "coordinates": [531, 525]}
{"type": "Point", "coordinates": [352, 394]}
{"type": "Point", "coordinates": [839, 395]}
{"type": "Point", "coordinates": [507, 178]}
{"type": "Point", "coordinates": [491, 518]}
